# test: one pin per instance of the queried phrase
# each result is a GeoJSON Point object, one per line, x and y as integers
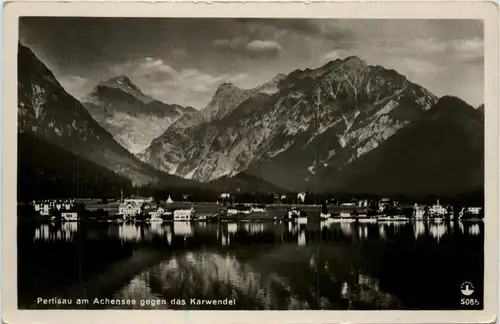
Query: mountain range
{"type": "Point", "coordinates": [301, 124]}
{"type": "Point", "coordinates": [441, 153]}
{"type": "Point", "coordinates": [64, 174]}
{"type": "Point", "coordinates": [133, 118]}
{"type": "Point", "coordinates": [49, 113]}
{"type": "Point", "coordinates": [345, 126]}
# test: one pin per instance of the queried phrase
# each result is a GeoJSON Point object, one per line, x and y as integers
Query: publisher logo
{"type": "Point", "coordinates": [466, 288]}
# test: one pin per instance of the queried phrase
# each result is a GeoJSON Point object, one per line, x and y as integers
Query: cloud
{"type": "Point", "coordinates": [73, 84]}
{"type": "Point", "coordinates": [335, 54]}
{"type": "Point", "coordinates": [251, 48]}
{"type": "Point", "coordinates": [457, 50]}
{"type": "Point", "coordinates": [304, 26]}
{"type": "Point", "coordinates": [467, 49]}
{"type": "Point", "coordinates": [264, 48]}
{"type": "Point", "coordinates": [236, 45]}
{"type": "Point", "coordinates": [186, 86]}
{"type": "Point", "coordinates": [415, 68]}
{"type": "Point", "coordinates": [308, 28]}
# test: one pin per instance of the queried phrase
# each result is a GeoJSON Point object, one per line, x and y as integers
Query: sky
{"type": "Point", "coordinates": [183, 60]}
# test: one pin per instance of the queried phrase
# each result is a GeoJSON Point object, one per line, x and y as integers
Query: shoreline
{"type": "Point", "coordinates": [261, 220]}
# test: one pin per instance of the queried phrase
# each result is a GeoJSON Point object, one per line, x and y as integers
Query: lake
{"type": "Point", "coordinates": [336, 265]}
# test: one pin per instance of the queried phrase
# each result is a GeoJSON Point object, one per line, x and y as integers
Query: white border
{"type": "Point", "coordinates": [487, 11]}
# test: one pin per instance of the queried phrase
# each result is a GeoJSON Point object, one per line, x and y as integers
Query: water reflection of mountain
{"type": "Point", "coordinates": [337, 265]}
{"type": "Point", "coordinates": [263, 282]}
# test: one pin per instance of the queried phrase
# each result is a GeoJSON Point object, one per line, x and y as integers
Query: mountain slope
{"type": "Point", "coordinates": [442, 154]}
{"type": "Point", "coordinates": [307, 121]}
{"type": "Point", "coordinates": [244, 183]}
{"type": "Point", "coordinates": [48, 112]}
{"type": "Point", "coordinates": [481, 109]}
{"type": "Point", "coordinates": [179, 147]}
{"type": "Point", "coordinates": [133, 118]}
{"type": "Point", "coordinates": [71, 176]}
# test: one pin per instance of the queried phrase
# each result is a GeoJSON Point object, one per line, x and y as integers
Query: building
{"type": "Point", "coordinates": [184, 214]}
{"type": "Point", "coordinates": [131, 207]}
{"type": "Point", "coordinates": [419, 211]}
{"type": "Point", "coordinates": [363, 203]}
{"type": "Point", "coordinates": [384, 204]}
{"type": "Point", "coordinates": [42, 208]}
{"type": "Point", "coordinates": [280, 199]}
{"type": "Point", "coordinates": [157, 213]}
{"type": "Point", "coordinates": [48, 207]}
{"type": "Point", "coordinates": [69, 216]}
{"type": "Point", "coordinates": [474, 210]}
{"type": "Point", "coordinates": [438, 210]}
{"type": "Point", "coordinates": [470, 212]}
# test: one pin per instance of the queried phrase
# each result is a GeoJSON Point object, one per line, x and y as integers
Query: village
{"type": "Point", "coordinates": [228, 209]}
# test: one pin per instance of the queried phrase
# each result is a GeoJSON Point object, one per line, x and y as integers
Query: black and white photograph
{"type": "Point", "coordinates": [230, 164]}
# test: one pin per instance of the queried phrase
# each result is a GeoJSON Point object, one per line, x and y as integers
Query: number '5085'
{"type": "Point", "coordinates": [469, 302]}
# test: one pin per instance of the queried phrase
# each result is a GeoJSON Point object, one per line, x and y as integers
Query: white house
{"type": "Point", "coordinates": [363, 203]}
{"type": "Point", "coordinates": [184, 214]}
{"type": "Point", "coordinates": [418, 211]}
{"type": "Point", "coordinates": [131, 207]}
{"type": "Point", "coordinates": [69, 216]}
{"type": "Point", "coordinates": [437, 210]}
{"type": "Point", "coordinates": [474, 210]}
{"type": "Point", "coordinates": [44, 209]}
{"type": "Point", "coordinates": [157, 213]}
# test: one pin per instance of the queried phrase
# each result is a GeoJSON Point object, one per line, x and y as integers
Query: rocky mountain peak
{"type": "Point", "coordinates": [118, 81]}
{"type": "Point", "coordinates": [122, 83]}
{"type": "Point", "coordinates": [48, 112]}
{"type": "Point", "coordinates": [451, 107]}
{"type": "Point", "coordinates": [279, 77]}
{"type": "Point", "coordinates": [325, 117]}
{"type": "Point", "coordinates": [225, 86]}
{"type": "Point", "coordinates": [353, 61]}
{"type": "Point", "coordinates": [132, 117]}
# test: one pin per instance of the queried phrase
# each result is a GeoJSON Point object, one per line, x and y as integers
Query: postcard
{"type": "Point", "coordinates": [252, 162]}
